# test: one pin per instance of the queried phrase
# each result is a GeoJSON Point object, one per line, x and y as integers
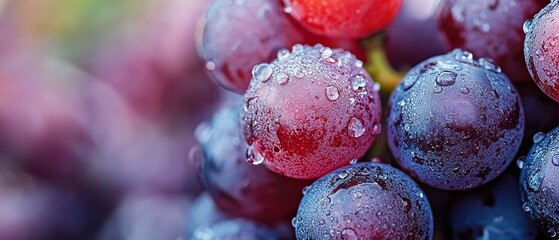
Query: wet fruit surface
{"type": "Point", "coordinates": [539, 182]}
{"type": "Point", "coordinates": [541, 49]}
{"type": "Point", "coordinates": [455, 122]}
{"type": "Point", "coordinates": [364, 201]}
{"type": "Point", "coordinates": [491, 29]}
{"type": "Point", "coordinates": [312, 110]}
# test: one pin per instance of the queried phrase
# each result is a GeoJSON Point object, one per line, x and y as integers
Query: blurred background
{"type": "Point", "coordinates": [99, 100]}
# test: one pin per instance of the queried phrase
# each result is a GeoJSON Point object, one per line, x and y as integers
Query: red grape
{"type": "Point", "coordinates": [343, 19]}
{"type": "Point", "coordinates": [310, 111]}
{"type": "Point", "coordinates": [236, 35]}
{"type": "Point", "coordinates": [491, 29]}
{"type": "Point", "coordinates": [541, 49]}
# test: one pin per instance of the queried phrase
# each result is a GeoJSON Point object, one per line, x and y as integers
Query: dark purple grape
{"type": "Point", "coordinates": [493, 211]}
{"type": "Point", "coordinates": [491, 29]}
{"type": "Point", "coordinates": [364, 201]}
{"type": "Point", "coordinates": [239, 188]}
{"type": "Point", "coordinates": [455, 122]}
{"type": "Point", "coordinates": [539, 182]}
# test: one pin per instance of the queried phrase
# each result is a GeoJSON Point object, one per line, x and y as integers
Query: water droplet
{"type": "Point", "coordinates": [402, 103]}
{"type": "Point", "coordinates": [333, 75]}
{"type": "Point", "coordinates": [525, 207]}
{"type": "Point", "coordinates": [288, 9]}
{"type": "Point", "coordinates": [377, 129]}
{"type": "Point", "coordinates": [409, 81]}
{"type": "Point", "coordinates": [355, 128]}
{"type": "Point", "coordinates": [294, 222]}
{"type": "Point", "coordinates": [299, 73]}
{"type": "Point", "coordinates": [353, 161]}
{"type": "Point", "coordinates": [520, 162]}
{"type": "Point", "coordinates": [376, 86]}
{"type": "Point", "coordinates": [210, 65]}
{"type": "Point", "coordinates": [536, 181]}
{"type": "Point", "coordinates": [358, 82]}
{"type": "Point", "coordinates": [358, 63]}
{"type": "Point", "coordinates": [331, 61]}
{"type": "Point", "coordinates": [446, 78]}
{"type": "Point", "coordinates": [321, 222]}
{"type": "Point", "coordinates": [420, 195]}
{"type": "Point", "coordinates": [326, 53]}
{"type": "Point", "coordinates": [555, 159]}
{"type": "Point", "coordinates": [352, 101]}
{"type": "Point", "coordinates": [283, 54]}
{"type": "Point", "coordinates": [527, 26]}
{"type": "Point", "coordinates": [332, 93]}
{"type": "Point", "coordinates": [343, 174]}
{"type": "Point", "coordinates": [297, 48]}
{"type": "Point", "coordinates": [348, 234]}
{"type": "Point", "coordinates": [375, 160]}
{"type": "Point", "coordinates": [552, 233]}
{"type": "Point", "coordinates": [464, 90]}
{"type": "Point", "coordinates": [262, 72]}
{"type": "Point", "coordinates": [305, 190]}
{"type": "Point", "coordinates": [489, 65]}
{"type": "Point", "coordinates": [254, 157]}
{"type": "Point", "coordinates": [462, 55]}
{"type": "Point", "coordinates": [538, 137]}
{"type": "Point", "coordinates": [282, 78]}
{"type": "Point", "coordinates": [438, 89]}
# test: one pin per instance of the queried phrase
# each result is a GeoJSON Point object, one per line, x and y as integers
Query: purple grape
{"type": "Point", "coordinates": [491, 212]}
{"type": "Point", "coordinates": [364, 201]}
{"type": "Point", "coordinates": [454, 122]}
{"type": "Point", "coordinates": [239, 188]}
{"type": "Point", "coordinates": [539, 182]}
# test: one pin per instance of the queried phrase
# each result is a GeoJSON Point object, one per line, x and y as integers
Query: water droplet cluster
{"type": "Point", "coordinates": [539, 182]}
{"type": "Point", "coordinates": [310, 111]}
{"type": "Point", "coordinates": [455, 122]}
{"type": "Point", "coordinates": [364, 201]}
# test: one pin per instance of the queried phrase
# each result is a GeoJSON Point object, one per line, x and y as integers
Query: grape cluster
{"type": "Point", "coordinates": [291, 158]}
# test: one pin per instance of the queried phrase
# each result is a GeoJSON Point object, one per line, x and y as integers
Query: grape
{"type": "Point", "coordinates": [539, 185]}
{"type": "Point", "coordinates": [455, 122]}
{"type": "Point", "coordinates": [310, 111]}
{"type": "Point", "coordinates": [491, 29]}
{"type": "Point", "coordinates": [236, 35]}
{"type": "Point", "coordinates": [491, 212]}
{"type": "Point", "coordinates": [364, 201]}
{"type": "Point", "coordinates": [540, 49]}
{"type": "Point", "coordinates": [240, 189]}
{"type": "Point", "coordinates": [417, 19]}
{"type": "Point", "coordinates": [343, 19]}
